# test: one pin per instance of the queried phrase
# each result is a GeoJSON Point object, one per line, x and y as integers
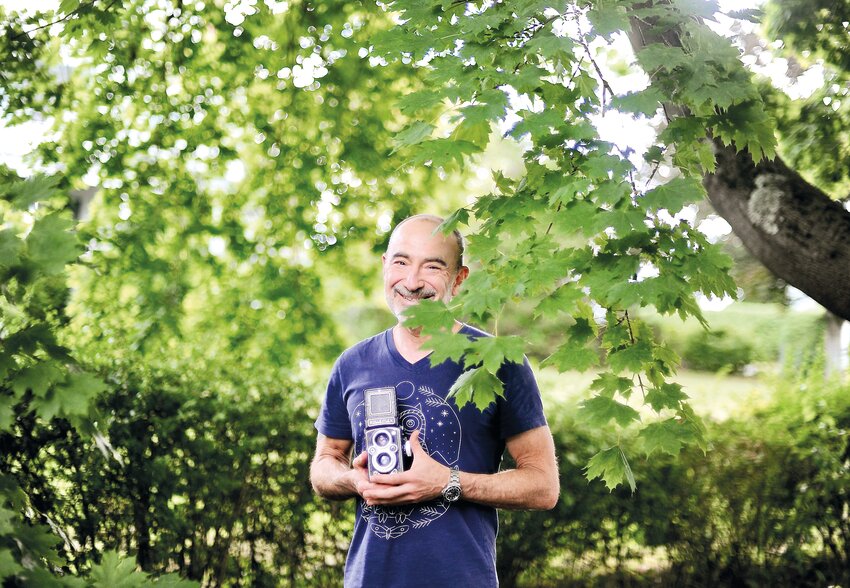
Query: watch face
{"type": "Point", "coordinates": [452, 493]}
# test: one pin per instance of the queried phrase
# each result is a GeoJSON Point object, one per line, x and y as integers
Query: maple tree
{"type": "Point", "coordinates": [244, 155]}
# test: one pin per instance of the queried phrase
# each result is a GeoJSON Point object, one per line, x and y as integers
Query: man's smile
{"type": "Point", "coordinates": [415, 295]}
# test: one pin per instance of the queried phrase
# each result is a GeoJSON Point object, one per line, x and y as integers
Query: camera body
{"type": "Point", "coordinates": [386, 446]}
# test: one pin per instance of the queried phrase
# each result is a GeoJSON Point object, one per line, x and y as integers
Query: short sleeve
{"type": "Point", "coordinates": [333, 418]}
{"type": "Point", "coordinates": [522, 407]}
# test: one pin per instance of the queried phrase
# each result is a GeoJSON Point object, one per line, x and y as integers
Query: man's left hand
{"type": "Point", "coordinates": [425, 480]}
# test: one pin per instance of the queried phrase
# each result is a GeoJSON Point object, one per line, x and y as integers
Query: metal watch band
{"type": "Point", "coordinates": [451, 493]}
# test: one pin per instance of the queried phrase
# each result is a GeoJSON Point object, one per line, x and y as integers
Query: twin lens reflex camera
{"type": "Point", "coordinates": [387, 450]}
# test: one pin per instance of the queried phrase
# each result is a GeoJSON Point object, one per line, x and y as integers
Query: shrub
{"type": "Point", "coordinates": [715, 351]}
{"type": "Point", "coordinates": [766, 506]}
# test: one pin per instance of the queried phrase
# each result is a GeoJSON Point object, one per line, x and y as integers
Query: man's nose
{"type": "Point", "coordinates": [412, 281]}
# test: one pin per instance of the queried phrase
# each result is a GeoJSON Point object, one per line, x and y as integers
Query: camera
{"type": "Point", "coordinates": [386, 446]}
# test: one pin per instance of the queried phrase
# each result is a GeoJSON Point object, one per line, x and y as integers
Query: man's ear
{"type": "Point", "coordinates": [462, 274]}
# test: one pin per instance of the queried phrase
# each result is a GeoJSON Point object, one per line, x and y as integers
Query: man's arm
{"type": "Point", "coordinates": [533, 484]}
{"type": "Point", "coordinates": [330, 473]}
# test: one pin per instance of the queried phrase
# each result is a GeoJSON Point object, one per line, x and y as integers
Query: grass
{"type": "Point", "coordinates": [712, 396]}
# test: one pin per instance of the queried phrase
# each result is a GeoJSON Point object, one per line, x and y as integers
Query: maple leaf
{"type": "Point", "coordinates": [432, 315]}
{"type": "Point", "coordinates": [476, 386]}
{"type": "Point", "coordinates": [492, 352]}
{"type": "Point", "coordinates": [571, 356]}
{"type": "Point", "coordinates": [38, 187]}
{"type": "Point", "coordinates": [51, 244]}
{"type": "Point", "coordinates": [10, 248]}
{"type": "Point", "coordinates": [665, 396]}
{"type": "Point", "coordinates": [666, 436]}
{"type": "Point", "coordinates": [416, 132]}
{"type": "Point", "coordinates": [36, 378]}
{"type": "Point", "coordinates": [447, 346]}
{"type": "Point", "coordinates": [673, 195]}
{"type": "Point", "coordinates": [612, 467]}
{"type": "Point", "coordinates": [645, 102]}
{"type": "Point", "coordinates": [599, 410]}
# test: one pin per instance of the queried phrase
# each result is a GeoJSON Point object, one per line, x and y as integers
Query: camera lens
{"type": "Point", "coordinates": [382, 438]}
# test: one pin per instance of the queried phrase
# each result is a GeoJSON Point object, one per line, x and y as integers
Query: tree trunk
{"type": "Point", "coordinates": [836, 356]}
{"type": "Point", "coordinates": [796, 230]}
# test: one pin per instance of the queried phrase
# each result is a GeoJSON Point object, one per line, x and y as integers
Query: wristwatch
{"type": "Point", "coordinates": [451, 493]}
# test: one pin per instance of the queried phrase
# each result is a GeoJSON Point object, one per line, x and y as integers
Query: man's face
{"type": "Point", "coordinates": [420, 265]}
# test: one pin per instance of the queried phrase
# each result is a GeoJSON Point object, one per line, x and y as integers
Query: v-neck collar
{"type": "Point", "coordinates": [399, 359]}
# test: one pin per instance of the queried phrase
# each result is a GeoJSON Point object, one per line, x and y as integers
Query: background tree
{"type": "Point", "coordinates": [250, 162]}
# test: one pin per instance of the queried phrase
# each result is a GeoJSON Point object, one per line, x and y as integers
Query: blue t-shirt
{"type": "Point", "coordinates": [434, 542]}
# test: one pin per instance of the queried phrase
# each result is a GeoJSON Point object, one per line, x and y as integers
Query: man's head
{"type": "Point", "coordinates": [422, 263]}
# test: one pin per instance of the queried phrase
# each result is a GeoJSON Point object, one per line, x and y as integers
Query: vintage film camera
{"type": "Point", "coordinates": [386, 447]}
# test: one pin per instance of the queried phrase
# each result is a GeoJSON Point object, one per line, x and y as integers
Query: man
{"type": "Point", "coordinates": [434, 524]}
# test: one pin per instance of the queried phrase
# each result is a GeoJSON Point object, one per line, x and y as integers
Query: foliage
{"type": "Point", "coordinates": [580, 235]}
{"type": "Point", "coordinates": [206, 472]}
{"type": "Point", "coordinates": [774, 333]}
{"type": "Point", "coordinates": [713, 351]}
{"type": "Point", "coordinates": [248, 164]}
{"type": "Point", "coordinates": [43, 390]}
{"type": "Point", "coordinates": [813, 129]}
{"type": "Point", "coordinates": [764, 507]}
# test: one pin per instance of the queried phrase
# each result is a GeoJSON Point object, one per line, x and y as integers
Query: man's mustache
{"type": "Point", "coordinates": [419, 293]}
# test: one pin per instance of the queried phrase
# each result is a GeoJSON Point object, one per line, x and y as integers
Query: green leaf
{"type": "Point", "coordinates": [609, 384]}
{"type": "Point", "coordinates": [645, 102]}
{"type": "Point", "coordinates": [476, 386]}
{"type": "Point", "coordinates": [571, 356]}
{"type": "Point", "coordinates": [608, 19]}
{"type": "Point", "coordinates": [492, 352]}
{"type": "Point", "coordinates": [415, 133]}
{"type": "Point", "coordinates": [39, 542]}
{"type": "Point", "coordinates": [37, 378]}
{"type": "Point", "coordinates": [599, 410]}
{"type": "Point", "coordinates": [71, 397]}
{"type": "Point", "coordinates": [631, 359]}
{"type": "Point", "coordinates": [612, 467]}
{"type": "Point", "coordinates": [8, 565]}
{"type": "Point", "coordinates": [660, 56]}
{"type": "Point", "coordinates": [447, 345]}
{"type": "Point", "coordinates": [7, 412]}
{"type": "Point", "coordinates": [115, 571]}
{"type": "Point", "coordinates": [415, 102]}
{"type": "Point", "coordinates": [443, 152]}
{"type": "Point", "coordinates": [38, 187]}
{"type": "Point", "coordinates": [7, 521]}
{"type": "Point", "coordinates": [10, 248]}
{"type": "Point", "coordinates": [673, 195]}
{"type": "Point", "coordinates": [665, 396]}
{"type": "Point", "coordinates": [666, 436]}
{"type": "Point", "coordinates": [433, 315]}
{"type": "Point", "coordinates": [69, 6]}
{"type": "Point", "coordinates": [51, 244]}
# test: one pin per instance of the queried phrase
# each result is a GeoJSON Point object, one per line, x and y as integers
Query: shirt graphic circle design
{"type": "Point", "coordinates": [419, 408]}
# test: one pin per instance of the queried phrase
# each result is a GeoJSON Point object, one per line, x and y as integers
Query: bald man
{"type": "Point", "coordinates": [434, 523]}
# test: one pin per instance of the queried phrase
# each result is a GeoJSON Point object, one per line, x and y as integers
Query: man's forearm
{"type": "Point", "coordinates": [524, 488]}
{"type": "Point", "coordinates": [332, 479]}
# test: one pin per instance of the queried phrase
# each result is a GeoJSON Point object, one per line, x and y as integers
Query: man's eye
{"type": "Point", "coordinates": [399, 262]}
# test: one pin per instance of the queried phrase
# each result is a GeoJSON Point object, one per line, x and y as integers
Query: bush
{"type": "Point", "coordinates": [714, 351]}
{"type": "Point", "coordinates": [766, 506]}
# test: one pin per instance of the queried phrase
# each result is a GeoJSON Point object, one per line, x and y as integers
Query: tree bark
{"type": "Point", "coordinates": [796, 230]}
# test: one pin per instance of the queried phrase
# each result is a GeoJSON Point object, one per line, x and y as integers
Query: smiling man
{"type": "Point", "coordinates": [434, 523]}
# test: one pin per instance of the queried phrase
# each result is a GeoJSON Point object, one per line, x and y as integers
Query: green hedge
{"type": "Point", "coordinates": [766, 506]}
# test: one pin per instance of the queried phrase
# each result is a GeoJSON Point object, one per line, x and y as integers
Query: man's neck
{"type": "Point", "coordinates": [412, 344]}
